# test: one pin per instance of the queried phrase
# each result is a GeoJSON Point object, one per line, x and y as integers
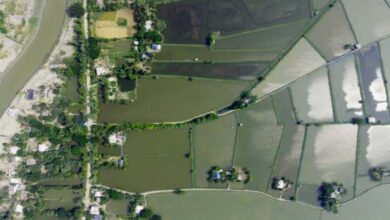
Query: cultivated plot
{"type": "Point", "coordinates": [371, 205]}
{"type": "Point", "coordinates": [331, 39]}
{"type": "Point", "coordinates": [374, 151]}
{"type": "Point", "coordinates": [155, 160]}
{"type": "Point", "coordinates": [258, 143]}
{"type": "Point", "coordinates": [158, 100]}
{"type": "Point", "coordinates": [385, 54]}
{"type": "Point", "coordinates": [373, 87]}
{"type": "Point", "coordinates": [59, 198]}
{"type": "Point", "coordinates": [284, 107]}
{"type": "Point", "coordinates": [195, 205]}
{"type": "Point", "coordinates": [369, 19]}
{"type": "Point", "coordinates": [200, 17]}
{"type": "Point", "coordinates": [312, 99]}
{"type": "Point", "coordinates": [320, 4]}
{"type": "Point", "coordinates": [234, 71]}
{"type": "Point", "coordinates": [107, 24]}
{"type": "Point", "coordinates": [288, 159]}
{"type": "Point", "coordinates": [213, 145]}
{"type": "Point", "coordinates": [345, 90]}
{"type": "Point", "coordinates": [329, 155]}
{"type": "Point", "coordinates": [187, 53]}
{"type": "Point", "coordinates": [301, 60]}
{"type": "Point", "coordinates": [271, 39]}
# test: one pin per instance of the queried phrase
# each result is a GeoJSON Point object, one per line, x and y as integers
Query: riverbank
{"type": "Point", "coordinates": [43, 83]}
{"type": "Point", "coordinates": [22, 18]}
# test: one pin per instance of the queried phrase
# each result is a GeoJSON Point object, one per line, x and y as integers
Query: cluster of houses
{"type": "Point", "coordinates": [233, 174]}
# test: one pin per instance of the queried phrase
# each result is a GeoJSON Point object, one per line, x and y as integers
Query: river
{"type": "Point", "coordinates": [36, 53]}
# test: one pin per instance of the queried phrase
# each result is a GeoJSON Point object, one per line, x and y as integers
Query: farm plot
{"type": "Point", "coordinates": [284, 108]}
{"type": "Point", "coordinates": [320, 4]}
{"type": "Point", "coordinates": [200, 17]}
{"type": "Point", "coordinates": [369, 19]}
{"type": "Point", "coordinates": [213, 145]}
{"type": "Point", "coordinates": [116, 208]}
{"type": "Point", "coordinates": [373, 87]}
{"type": "Point", "coordinates": [156, 161]}
{"type": "Point", "coordinates": [385, 54]}
{"type": "Point", "coordinates": [329, 155]}
{"type": "Point", "coordinates": [159, 100]}
{"type": "Point", "coordinates": [195, 205]}
{"type": "Point", "coordinates": [258, 142]}
{"type": "Point", "coordinates": [331, 39]}
{"type": "Point", "coordinates": [199, 53]}
{"type": "Point", "coordinates": [345, 90]}
{"type": "Point", "coordinates": [240, 71]}
{"type": "Point", "coordinates": [116, 49]}
{"type": "Point", "coordinates": [270, 39]}
{"type": "Point", "coordinates": [301, 60]}
{"type": "Point", "coordinates": [374, 151]}
{"type": "Point", "coordinates": [371, 205]}
{"type": "Point", "coordinates": [107, 26]}
{"type": "Point", "coordinates": [58, 198]}
{"type": "Point", "coordinates": [311, 98]}
{"type": "Point", "coordinates": [288, 159]}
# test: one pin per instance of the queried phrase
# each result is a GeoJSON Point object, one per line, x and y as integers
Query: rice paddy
{"type": "Point", "coordinates": [301, 60]}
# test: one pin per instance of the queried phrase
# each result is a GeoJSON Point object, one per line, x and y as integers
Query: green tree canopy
{"type": "Point", "coordinates": [76, 10]}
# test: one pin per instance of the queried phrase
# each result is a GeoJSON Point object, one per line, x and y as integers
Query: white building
{"type": "Point", "coordinates": [101, 71]}
{"type": "Point", "coordinates": [94, 210]}
{"type": "Point", "coordinates": [43, 147]}
{"type": "Point", "coordinates": [117, 138]}
{"type": "Point", "coordinates": [18, 209]}
{"type": "Point", "coordinates": [149, 25]}
{"type": "Point", "coordinates": [14, 150]}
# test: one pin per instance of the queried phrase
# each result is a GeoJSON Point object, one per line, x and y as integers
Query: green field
{"type": "Point", "coordinates": [225, 205]}
{"type": "Point", "coordinates": [329, 155]}
{"type": "Point", "coordinates": [156, 160]}
{"type": "Point", "coordinates": [187, 53]}
{"type": "Point", "coordinates": [59, 198]}
{"type": "Point", "coordinates": [160, 100]}
{"type": "Point", "coordinates": [258, 142]}
{"type": "Point", "coordinates": [213, 144]}
{"type": "Point", "coordinates": [329, 38]}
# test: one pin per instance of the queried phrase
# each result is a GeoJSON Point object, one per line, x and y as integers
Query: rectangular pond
{"type": "Point", "coordinates": [329, 155]}
{"type": "Point", "coordinates": [158, 100]}
{"type": "Point", "coordinates": [213, 144]}
{"type": "Point", "coordinates": [200, 17]}
{"type": "Point", "coordinates": [373, 87]}
{"type": "Point", "coordinates": [374, 151]}
{"type": "Point", "coordinates": [345, 90]}
{"type": "Point", "coordinates": [156, 160]}
{"type": "Point", "coordinates": [233, 71]}
{"type": "Point", "coordinates": [311, 98]}
{"type": "Point", "coordinates": [258, 142]}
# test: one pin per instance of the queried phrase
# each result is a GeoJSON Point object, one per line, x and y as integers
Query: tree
{"type": "Point", "coordinates": [115, 195]}
{"type": "Point", "coordinates": [76, 10]}
{"type": "Point", "coordinates": [156, 217]}
{"type": "Point", "coordinates": [377, 173]}
{"type": "Point", "coordinates": [146, 213]}
{"type": "Point", "coordinates": [93, 48]}
{"type": "Point", "coordinates": [212, 38]}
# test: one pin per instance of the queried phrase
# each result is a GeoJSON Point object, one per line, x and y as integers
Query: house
{"type": "Point", "coordinates": [30, 94]}
{"type": "Point", "coordinates": [138, 209]}
{"type": "Point", "coordinates": [43, 147]}
{"type": "Point", "coordinates": [18, 209]}
{"type": "Point", "coordinates": [100, 3]}
{"type": "Point", "coordinates": [15, 181]}
{"type": "Point", "coordinates": [101, 71]}
{"type": "Point", "coordinates": [14, 150]}
{"type": "Point", "coordinates": [145, 56]}
{"type": "Point", "coordinates": [121, 162]}
{"type": "Point", "coordinates": [117, 138]}
{"type": "Point", "coordinates": [281, 184]}
{"type": "Point", "coordinates": [16, 20]}
{"type": "Point", "coordinates": [30, 162]}
{"type": "Point", "coordinates": [148, 25]}
{"type": "Point", "coordinates": [94, 210]}
{"type": "Point", "coordinates": [156, 47]}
